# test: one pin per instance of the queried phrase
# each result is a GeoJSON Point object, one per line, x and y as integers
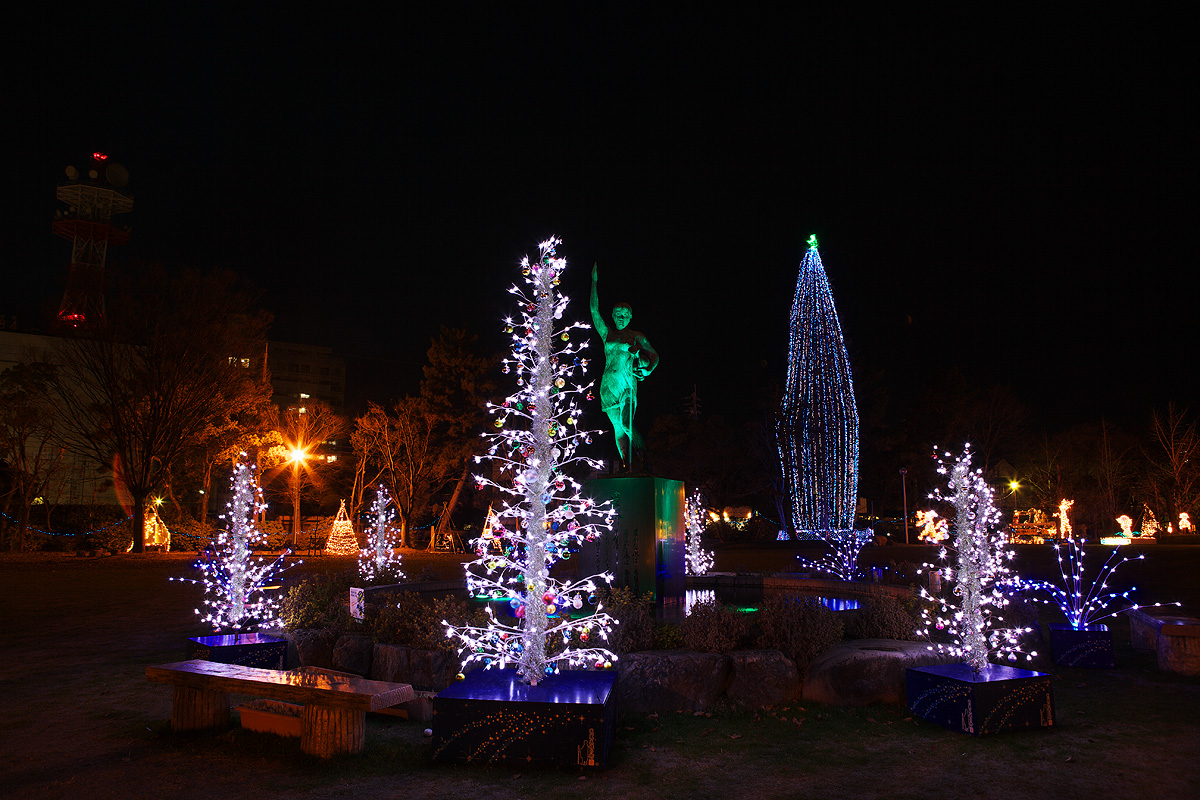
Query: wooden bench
{"type": "Point", "coordinates": [335, 705]}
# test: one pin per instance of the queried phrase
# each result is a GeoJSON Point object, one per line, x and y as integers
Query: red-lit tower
{"type": "Point", "coordinates": [92, 200]}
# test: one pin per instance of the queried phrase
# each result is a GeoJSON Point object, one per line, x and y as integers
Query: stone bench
{"type": "Point", "coordinates": [335, 706]}
{"type": "Point", "coordinates": [1173, 637]}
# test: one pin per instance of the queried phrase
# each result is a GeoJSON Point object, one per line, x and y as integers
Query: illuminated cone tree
{"type": "Point", "coordinates": [543, 517]}
{"type": "Point", "coordinates": [971, 619]}
{"type": "Point", "coordinates": [342, 540]}
{"type": "Point", "coordinates": [233, 577]}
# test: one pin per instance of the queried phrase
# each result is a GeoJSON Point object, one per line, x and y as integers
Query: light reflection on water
{"type": "Point", "coordinates": [748, 600]}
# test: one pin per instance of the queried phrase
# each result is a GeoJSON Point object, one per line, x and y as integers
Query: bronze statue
{"type": "Point", "coordinates": [628, 358]}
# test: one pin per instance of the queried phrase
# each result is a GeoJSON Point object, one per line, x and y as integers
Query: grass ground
{"type": "Point", "coordinates": [79, 719]}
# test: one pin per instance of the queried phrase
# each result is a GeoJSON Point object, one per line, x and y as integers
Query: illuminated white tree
{"type": "Point", "coordinates": [234, 578]}
{"type": "Point", "coordinates": [543, 516]}
{"type": "Point", "coordinates": [378, 561]}
{"type": "Point", "coordinates": [699, 560]}
{"type": "Point", "coordinates": [971, 618]}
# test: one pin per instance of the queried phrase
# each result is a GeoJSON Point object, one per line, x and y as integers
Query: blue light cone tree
{"type": "Point", "coordinates": [817, 430]}
{"type": "Point", "coordinates": [543, 517]}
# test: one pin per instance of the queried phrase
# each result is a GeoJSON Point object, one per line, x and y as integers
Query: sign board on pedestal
{"type": "Point", "coordinates": [647, 551]}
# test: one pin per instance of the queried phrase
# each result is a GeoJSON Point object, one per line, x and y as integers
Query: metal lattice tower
{"type": "Point", "coordinates": [92, 200]}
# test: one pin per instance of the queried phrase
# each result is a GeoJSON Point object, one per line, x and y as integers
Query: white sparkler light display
{"type": "Point", "coordinates": [544, 517]}
{"type": "Point", "coordinates": [378, 561]}
{"type": "Point", "coordinates": [234, 578]}
{"type": "Point", "coordinates": [971, 617]}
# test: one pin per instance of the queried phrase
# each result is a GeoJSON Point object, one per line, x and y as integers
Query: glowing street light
{"type": "Point", "coordinates": [297, 457]}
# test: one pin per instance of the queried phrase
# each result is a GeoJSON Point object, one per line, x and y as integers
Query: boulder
{"type": "Point", "coordinates": [670, 680]}
{"type": "Point", "coordinates": [352, 653]}
{"type": "Point", "coordinates": [762, 678]}
{"type": "Point", "coordinates": [389, 662]}
{"type": "Point", "coordinates": [428, 670]}
{"type": "Point", "coordinates": [1178, 648]}
{"type": "Point", "coordinates": [863, 671]}
{"type": "Point", "coordinates": [314, 647]}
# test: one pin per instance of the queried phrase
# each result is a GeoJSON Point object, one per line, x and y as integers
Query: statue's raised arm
{"type": "Point", "coordinates": [628, 358]}
{"type": "Point", "coordinates": [594, 304]}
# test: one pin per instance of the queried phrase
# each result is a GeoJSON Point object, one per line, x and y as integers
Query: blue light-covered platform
{"type": "Point", "coordinates": [998, 699]}
{"type": "Point", "coordinates": [243, 649]}
{"type": "Point", "coordinates": [568, 719]}
{"type": "Point", "coordinates": [1089, 647]}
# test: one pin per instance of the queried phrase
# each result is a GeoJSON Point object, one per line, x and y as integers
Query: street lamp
{"type": "Point", "coordinates": [904, 494]}
{"type": "Point", "coordinates": [297, 458]}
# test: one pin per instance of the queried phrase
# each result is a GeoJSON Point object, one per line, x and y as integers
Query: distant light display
{"type": "Point", "coordinates": [1126, 523]}
{"type": "Point", "coordinates": [1083, 601]}
{"type": "Point", "coordinates": [817, 432]}
{"type": "Point", "coordinates": [934, 529]}
{"type": "Point", "coordinates": [970, 616]}
{"type": "Point", "coordinates": [533, 444]}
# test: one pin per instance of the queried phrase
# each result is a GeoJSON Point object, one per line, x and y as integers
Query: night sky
{"type": "Point", "coordinates": [1006, 195]}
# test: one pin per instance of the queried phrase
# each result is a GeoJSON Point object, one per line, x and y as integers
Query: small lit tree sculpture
{"type": "Point", "coordinates": [534, 444]}
{"type": "Point", "coordinates": [342, 539]}
{"type": "Point", "coordinates": [1083, 601]}
{"type": "Point", "coordinates": [234, 578]}
{"type": "Point", "coordinates": [378, 561]}
{"type": "Point", "coordinates": [699, 560]}
{"type": "Point", "coordinates": [973, 621]}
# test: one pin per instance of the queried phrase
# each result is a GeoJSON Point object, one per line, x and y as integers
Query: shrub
{"type": "Point", "coordinates": [887, 617]}
{"type": "Point", "coordinates": [635, 616]}
{"type": "Point", "coordinates": [318, 601]}
{"type": "Point", "coordinates": [667, 636]}
{"type": "Point", "coordinates": [713, 628]}
{"type": "Point", "coordinates": [188, 534]}
{"type": "Point", "coordinates": [412, 620]}
{"type": "Point", "coordinates": [799, 627]}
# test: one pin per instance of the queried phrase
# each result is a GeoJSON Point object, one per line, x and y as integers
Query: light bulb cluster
{"type": "Point", "coordinates": [378, 561]}
{"type": "Point", "coordinates": [971, 619]}
{"type": "Point", "coordinates": [543, 517]}
{"type": "Point", "coordinates": [234, 578]}
{"type": "Point", "coordinates": [1082, 600]}
{"type": "Point", "coordinates": [341, 541]}
{"type": "Point", "coordinates": [698, 560]}
{"type": "Point", "coordinates": [817, 432]}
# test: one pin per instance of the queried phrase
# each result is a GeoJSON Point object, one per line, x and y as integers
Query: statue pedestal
{"type": "Point", "coordinates": [646, 553]}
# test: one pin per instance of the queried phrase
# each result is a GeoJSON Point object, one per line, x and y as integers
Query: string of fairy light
{"type": "Point", "coordinates": [234, 579]}
{"type": "Point", "coordinates": [543, 516]}
{"type": "Point", "coordinates": [970, 617]}
{"type": "Point", "coordinates": [818, 426]}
